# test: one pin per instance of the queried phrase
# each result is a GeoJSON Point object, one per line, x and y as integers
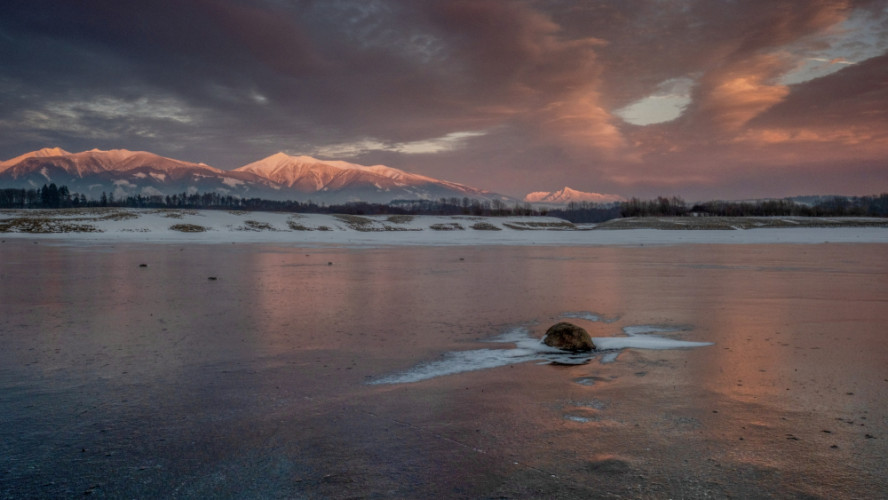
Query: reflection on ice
{"type": "Point", "coordinates": [528, 348]}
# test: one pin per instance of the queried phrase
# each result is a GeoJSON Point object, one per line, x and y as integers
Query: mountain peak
{"type": "Point", "coordinates": [40, 153]}
{"type": "Point", "coordinates": [301, 172]}
{"type": "Point", "coordinates": [280, 158]}
{"type": "Point", "coordinates": [309, 175]}
{"type": "Point", "coordinates": [116, 154]}
{"type": "Point", "coordinates": [567, 195]}
{"type": "Point", "coordinates": [56, 151]}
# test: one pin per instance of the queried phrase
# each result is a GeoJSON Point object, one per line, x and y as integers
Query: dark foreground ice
{"type": "Point", "coordinates": [124, 381]}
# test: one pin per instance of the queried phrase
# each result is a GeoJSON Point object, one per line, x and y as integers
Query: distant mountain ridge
{"type": "Point", "coordinates": [279, 177]}
{"type": "Point", "coordinates": [567, 195]}
{"type": "Point", "coordinates": [310, 175]}
{"type": "Point", "coordinates": [122, 172]}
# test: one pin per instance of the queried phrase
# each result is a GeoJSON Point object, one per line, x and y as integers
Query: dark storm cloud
{"type": "Point", "coordinates": [852, 97]}
{"type": "Point", "coordinates": [508, 95]}
{"type": "Point", "coordinates": [304, 72]}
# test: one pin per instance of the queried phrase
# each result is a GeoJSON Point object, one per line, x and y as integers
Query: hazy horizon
{"type": "Point", "coordinates": [703, 100]}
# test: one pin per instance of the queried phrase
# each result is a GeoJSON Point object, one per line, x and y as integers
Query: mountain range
{"type": "Point", "coordinates": [278, 177]}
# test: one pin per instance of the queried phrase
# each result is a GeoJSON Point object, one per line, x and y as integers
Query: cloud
{"type": "Point", "coordinates": [733, 95]}
{"type": "Point", "coordinates": [846, 108]}
{"type": "Point", "coordinates": [449, 142]}
{"type": "Point", "coordinates": [518, 94]}
{"type": "Point", "coordinates": [580, 123]}
{"type": "Point", "coordinates": [105, 117]}
{"type": "Point", "coordinates": [667, 103]}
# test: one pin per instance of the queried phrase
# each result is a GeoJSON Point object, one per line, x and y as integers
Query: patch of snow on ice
{"type": "Point", "coordinates": [528, 348]}
{"type": "Point", "coordinates": [577, 418]}
{"type": "Point", "coordinates": [642, 329]}
{"type": "Point", "coordinates": [588, 316]}
{"type": "Point", "coordinates": [458, 362]}
{"type": "Point", "coordinates": [639, 338]}
{"type": "Point", "coordinates": [610, 357]}
{"type": "Point", "coordinates": [644, 342]}
{"type": "Point", "coordinates": [582, 315]}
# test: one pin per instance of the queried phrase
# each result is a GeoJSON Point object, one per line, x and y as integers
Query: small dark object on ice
{"type": "Point", "coordinates": [329, 263]}
{"type": "Point", "coordinates": [143, 265]}
{"type": "Point", "coordinates": [568, 337]}
{"type": "Point", "coordinates": [212, 278]}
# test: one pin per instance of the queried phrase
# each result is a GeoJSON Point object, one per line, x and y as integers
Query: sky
{"type": "Point", "coordinates": [704, 99]}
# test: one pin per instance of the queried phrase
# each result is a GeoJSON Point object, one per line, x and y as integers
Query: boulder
{"type": "Point", "coordinates": [568, 337]}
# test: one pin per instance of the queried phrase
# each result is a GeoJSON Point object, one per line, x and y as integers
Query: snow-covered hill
{"type": "Point", "coordinates": [222, 226]}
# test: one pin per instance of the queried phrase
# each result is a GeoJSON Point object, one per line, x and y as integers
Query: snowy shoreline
{"type": "Point", "coordinates": [217, 226]}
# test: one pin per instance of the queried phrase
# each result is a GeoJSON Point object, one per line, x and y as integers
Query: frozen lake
{"type": "Point", "coordinates": [284, 377]}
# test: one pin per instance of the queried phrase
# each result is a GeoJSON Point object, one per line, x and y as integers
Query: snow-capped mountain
{"type": "Point", "coordinates": [567, 195]}
{"type": "Point", "coordinates": [344, 181]}
{"type": "Point", "coordinates": [121, 172]}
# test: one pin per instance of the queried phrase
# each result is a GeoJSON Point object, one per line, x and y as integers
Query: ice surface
{"type": "Point", "coordinates": [270, 362]}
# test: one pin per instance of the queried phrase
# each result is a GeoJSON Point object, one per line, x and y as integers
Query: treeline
{"type": "Point", "coordinates": [659, 207]}
{"type": "Point", "coordinates": [586, 212]}
{"type": "Point", "coordinates": [52, 196]}
{"type": "Point", "coordinates": [838, 206]}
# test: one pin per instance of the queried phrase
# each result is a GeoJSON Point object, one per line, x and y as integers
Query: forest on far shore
{"type": "Point", "coordinates": [52, 196]}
